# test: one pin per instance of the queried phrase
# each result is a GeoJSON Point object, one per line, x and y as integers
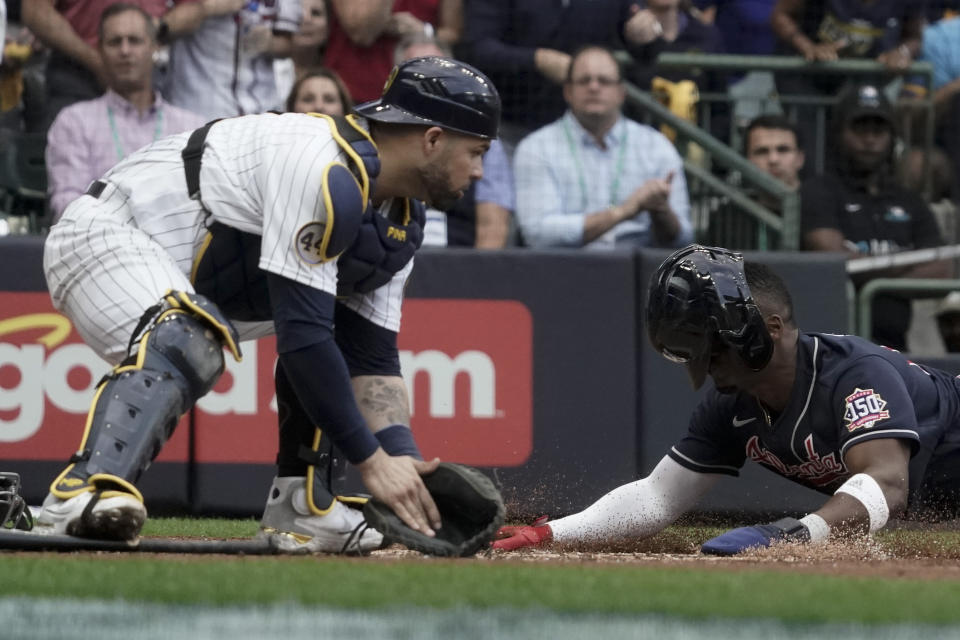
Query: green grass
{"type": "Point", "coordinates": [200, 528]}
{"type": "Point", "coordinates": [604, 589]}
{"type": "Point", "coordinates": [598, 588]}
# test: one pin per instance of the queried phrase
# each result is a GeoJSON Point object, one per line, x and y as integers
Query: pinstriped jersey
{"type": "Point", "coordinates": [846, 391]}
{"type": "Point", "coordinates": [260, 174]}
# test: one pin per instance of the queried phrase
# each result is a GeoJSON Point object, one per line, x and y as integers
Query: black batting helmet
{"type": "Point", "coordinates": [699, 302]}
{"type": "Point", "coordinates": [439, 92]}
{"type": "Point", "coordinates": [14, 512]}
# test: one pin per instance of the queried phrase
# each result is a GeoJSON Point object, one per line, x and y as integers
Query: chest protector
{"type": "Point", "coordinates": [385, 241]}
{"type": "Point", "coordinates": [226, 268]}
{"type": "Point", "coordinates": [383, 246]}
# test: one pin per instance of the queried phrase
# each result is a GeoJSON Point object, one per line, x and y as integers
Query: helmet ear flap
{"type": "Point", "coordinates": [753, 342]}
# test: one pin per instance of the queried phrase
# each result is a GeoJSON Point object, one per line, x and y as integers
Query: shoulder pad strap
{"type": "Point", "coordinates": [192, 155]}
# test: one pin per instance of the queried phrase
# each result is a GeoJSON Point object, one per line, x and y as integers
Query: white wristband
{"type": "Point", "coordinates": [818, 527]}
{"type": "Point", "coordinates": [866, 490]}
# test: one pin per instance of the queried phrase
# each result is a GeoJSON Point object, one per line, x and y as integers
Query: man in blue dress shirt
{"type": "Point", "coordinates": [596, 179]}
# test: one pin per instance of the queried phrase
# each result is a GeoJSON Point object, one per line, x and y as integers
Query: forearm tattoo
{"type": "Point", "coordinates": [383, 400]}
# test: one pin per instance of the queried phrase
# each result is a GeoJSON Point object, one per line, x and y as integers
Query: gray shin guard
{"type": "Point", "coordinates": [138, 405]}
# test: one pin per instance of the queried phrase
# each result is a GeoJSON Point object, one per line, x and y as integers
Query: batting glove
{"type": "Point", "coordinates": [511, 538]}
{"type": "Point", "coordinates": [758, 536]}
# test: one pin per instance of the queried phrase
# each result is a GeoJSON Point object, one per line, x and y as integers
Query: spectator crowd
{"type": "Point", "coordinates": [576, 164]}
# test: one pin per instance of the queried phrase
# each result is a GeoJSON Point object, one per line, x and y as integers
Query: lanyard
{"type": "Point", "coordinates": [615, 185]}
{"type": "Point", "coordinates": [116, 134]}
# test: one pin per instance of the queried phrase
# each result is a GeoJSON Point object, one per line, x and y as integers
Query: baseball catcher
{"type": "Point", "coordinates": [296, 224]}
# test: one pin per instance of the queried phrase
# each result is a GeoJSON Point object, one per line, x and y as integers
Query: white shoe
{"type": "Point", "coordinates": [287, 520]}
{"type": "Point", "coordinates": [120, 516]}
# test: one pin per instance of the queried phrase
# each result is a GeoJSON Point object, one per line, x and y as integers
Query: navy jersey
{"type": "Point", "coordinates": [847, 391]}
{"type": "Point", "coordinates": [893, 220]}
{"type": "Point", "coordinates": [868, 27]}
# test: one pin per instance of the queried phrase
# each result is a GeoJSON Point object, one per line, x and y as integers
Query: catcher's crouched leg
{"type": "Point", "coordinates": [303, 516]}
{"type": "Point", "coordinates": [176, 357]}
{"type": "Point", "coordinates": [471, 511]}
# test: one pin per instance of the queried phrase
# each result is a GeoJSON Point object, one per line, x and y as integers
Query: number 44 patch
{"type": "Point", "coordinates": [864, 409]}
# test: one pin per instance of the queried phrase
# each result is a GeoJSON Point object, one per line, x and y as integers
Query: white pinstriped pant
{"type": "Point", "coordinates": [103, 272]}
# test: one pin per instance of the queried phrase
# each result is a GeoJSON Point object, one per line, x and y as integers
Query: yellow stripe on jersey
{"type": "Point", "coordinates": [200, 253]}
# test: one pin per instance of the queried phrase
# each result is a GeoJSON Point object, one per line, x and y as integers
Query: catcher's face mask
{"type": "Point", "coordinates": [14, 513]}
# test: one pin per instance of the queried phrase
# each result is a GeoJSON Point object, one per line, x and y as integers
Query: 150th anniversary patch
{"type": "Point", "coordinates": [864, 408]}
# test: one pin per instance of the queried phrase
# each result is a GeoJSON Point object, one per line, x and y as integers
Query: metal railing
{"type": "Point", "coordinates": [904, 287]}
{"type": "Point", "coordinates": [746, 208]}
{"type": "Point", "coordinates": [710, 196]}
{"type": "Point", "coordinates": [856, 69]}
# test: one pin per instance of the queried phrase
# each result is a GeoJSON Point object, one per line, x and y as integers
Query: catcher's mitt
{"type": "Point", "coordinates": [471, 511]}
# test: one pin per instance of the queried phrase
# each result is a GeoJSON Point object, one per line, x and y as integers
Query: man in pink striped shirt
{"type": "Point", "coordinates": [89, 137]}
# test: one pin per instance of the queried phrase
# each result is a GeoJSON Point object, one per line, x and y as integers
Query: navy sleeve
{"type": "Point", "coordinates": [871, 401]}
{"type": "Point", "coordinates": [369, 349]}
{"type": "Point", "coordinates": [303, 318]}
{"type": "Point", "coordinates": [709, 446]}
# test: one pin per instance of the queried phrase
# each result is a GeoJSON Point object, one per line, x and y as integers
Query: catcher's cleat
{"type": "Point", "coordinates": [102, 515]}
{"type": "Point", "coordinates": [293, 527]}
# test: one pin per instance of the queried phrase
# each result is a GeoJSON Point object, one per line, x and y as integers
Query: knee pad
{"type": "Point", "coordinates": [178, 359]}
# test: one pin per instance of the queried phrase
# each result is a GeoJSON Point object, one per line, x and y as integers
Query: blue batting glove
{"type": "Point", "coordinates": [758, 536]}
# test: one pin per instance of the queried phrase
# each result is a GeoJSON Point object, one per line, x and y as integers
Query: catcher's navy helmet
{"type": "Point", "coordinates": [439, 92]}
{"type": "Point", "coordinates": [700, 303]}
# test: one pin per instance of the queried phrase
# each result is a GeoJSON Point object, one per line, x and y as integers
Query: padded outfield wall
{"type": "Point", "coordinates": [532, 365]}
